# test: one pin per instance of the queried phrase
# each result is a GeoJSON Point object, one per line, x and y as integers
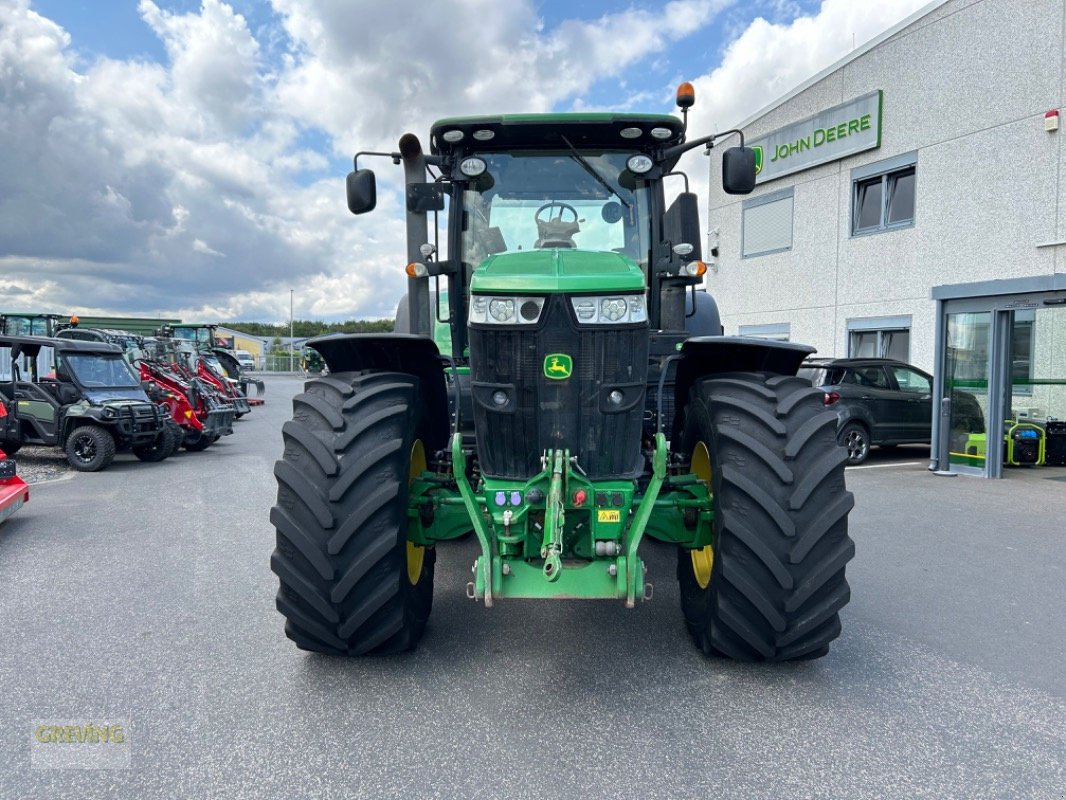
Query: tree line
{"type": "Point", "coordinates": [308, 327]}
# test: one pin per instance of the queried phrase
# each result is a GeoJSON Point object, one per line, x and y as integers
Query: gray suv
{"type": "Point", "coordinates": [880, 401]}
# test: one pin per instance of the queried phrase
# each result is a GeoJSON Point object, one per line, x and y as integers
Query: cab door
{"type": "Point", "coordinates": [37, 412]}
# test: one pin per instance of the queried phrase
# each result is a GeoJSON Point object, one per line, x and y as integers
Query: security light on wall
{"type": "Point", "coordinates": [1051, 120]}
{"type": "Point", "coordinates": [712, 250]}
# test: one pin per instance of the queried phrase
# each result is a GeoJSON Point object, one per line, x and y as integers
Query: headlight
{"type": "Point", "coordinates": [639, 164]}
{"type": "Point", "coordinates": [610, 310]}
{"type": "Point", "coordinates": [517, 310]}
{"type": "Point", "coordinates": [472, 167]}
{"type": "Point", "coordinates": [613, 308]}
{"type": "Point", "coordinates": [501, 309]}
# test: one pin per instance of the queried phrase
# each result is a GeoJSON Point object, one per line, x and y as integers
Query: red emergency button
{"type": "Point", "coordinates": [580, 496]}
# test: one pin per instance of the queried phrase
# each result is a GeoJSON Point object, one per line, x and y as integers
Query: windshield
{"type": "Point", "coordinates": [202, 336]}
{"type": "Point", "coordinates": [565, 200]}
{"type": "Point", "coordinates": [100, 370]}
{"type": "Point", "coordinates": [27, 326]}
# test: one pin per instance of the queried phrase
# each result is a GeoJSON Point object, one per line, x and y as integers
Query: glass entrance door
{"type": "Point", "coordinates": [967, 364]}
{"type": "Point", "coordinates": [1035, 399]}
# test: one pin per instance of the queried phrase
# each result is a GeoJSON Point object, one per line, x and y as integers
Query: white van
{"type": "Point", "coordinates": [244, 358]}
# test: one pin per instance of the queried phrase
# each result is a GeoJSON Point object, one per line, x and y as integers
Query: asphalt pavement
{"type": "Point", "coordinates": [142, 596]}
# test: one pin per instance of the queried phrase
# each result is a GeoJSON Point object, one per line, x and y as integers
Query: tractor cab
{"type": "Point", "coordinates": [29, 324]}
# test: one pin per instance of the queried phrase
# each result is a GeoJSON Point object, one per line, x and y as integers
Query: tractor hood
{"type": "Point", "coordinates": [556, 271]}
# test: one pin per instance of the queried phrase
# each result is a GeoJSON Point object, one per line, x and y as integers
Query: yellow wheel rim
{"type": "Point", "coordinates": [702, 559]}
{"type": "Point", "coordinates": [416, 554]}
{"type": "Point", "coordinates": [702, 562]}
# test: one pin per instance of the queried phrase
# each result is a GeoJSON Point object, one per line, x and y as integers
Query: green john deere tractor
{"type": "Point", "coordinates": [565, 392]}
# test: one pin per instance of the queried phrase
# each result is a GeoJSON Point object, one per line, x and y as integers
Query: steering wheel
{"type": "Point", "coordinates": [563, 207]}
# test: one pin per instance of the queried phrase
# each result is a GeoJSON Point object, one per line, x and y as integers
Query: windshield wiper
{"type": "Point", "coordinates": [580, 159]}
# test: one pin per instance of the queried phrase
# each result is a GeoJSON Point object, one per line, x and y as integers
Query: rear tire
{"type": "Point", "coordinates": [90, 448]}
{"type": "Point", "coordinates": [10, 448]}
{"type": "Point", "coordinates": [162, 448]}
{"type": "Point", "coordinates": [350, 582]}
{"type": "Point", "coordinates": [774, 584]}
{"type": "Point", "coordinates": [197, 441]}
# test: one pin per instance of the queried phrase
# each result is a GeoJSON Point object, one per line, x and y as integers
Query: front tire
{"type": "Point", "coordinates": [771, 586]}
{"type": "Point", "coordinates": [90, 448]}
{"type": "Point", "coordinates": [351, 584]}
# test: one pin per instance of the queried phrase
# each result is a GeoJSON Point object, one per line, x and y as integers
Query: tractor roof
{"type": "Point", "coordinates": [548, 131]}
{"type": "Point", "coordinates": [31, 345]}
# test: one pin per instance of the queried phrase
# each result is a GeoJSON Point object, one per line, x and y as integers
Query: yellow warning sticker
{"type": "Point", "coordinates": [608, 515]}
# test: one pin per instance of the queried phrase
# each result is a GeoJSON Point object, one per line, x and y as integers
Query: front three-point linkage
{"type": "Point", "coordinates": [554, 515]}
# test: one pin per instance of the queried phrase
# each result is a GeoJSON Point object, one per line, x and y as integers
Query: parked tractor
{"type": "Point", "coordinates": [29, 324]}
{"type": "Point", "coordinates": [203, 413]}
{"type": "Point", "coordinates": [311, 362]}
{"type": "Point", "coordinates": [570, 409]}
{"type": "Point", "coordinates": [92, 406]}
{"type": "Point", "coordinates": [216, 364]}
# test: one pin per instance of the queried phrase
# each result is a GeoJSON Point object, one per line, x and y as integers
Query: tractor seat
{"type": "Point", "coordinates": [555, 232]}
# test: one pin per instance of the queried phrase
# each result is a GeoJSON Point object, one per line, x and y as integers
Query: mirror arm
{"type": "Point", "coordinates": [355, 161]}
{"type": "Point", "coordinates": [677, 172]}
{"type": "Point", "coordinates": [435, 161]}
{"type": "Point", "coordinates": [679, 149]}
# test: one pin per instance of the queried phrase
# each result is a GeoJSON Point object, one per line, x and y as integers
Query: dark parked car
{"type": "Point", "coordinates": [884, 402]}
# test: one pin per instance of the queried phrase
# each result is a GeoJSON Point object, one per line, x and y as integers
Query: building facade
{"type": "Point", "coordinates": [926, 162]}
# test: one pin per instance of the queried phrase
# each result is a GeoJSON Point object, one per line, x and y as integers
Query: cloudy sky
{"type": "Point", "coordinates": [187, 158]}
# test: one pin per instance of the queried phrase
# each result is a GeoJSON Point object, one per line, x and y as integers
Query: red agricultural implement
{"type": "Point", "coordinates": [13, 490]}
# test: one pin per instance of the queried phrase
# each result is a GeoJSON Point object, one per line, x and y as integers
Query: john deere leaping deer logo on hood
{"type": "Point", "coordinates": [558, 366]}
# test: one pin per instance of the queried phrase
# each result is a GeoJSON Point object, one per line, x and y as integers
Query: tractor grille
{"type": "Point", "coordinates": [574, 413]}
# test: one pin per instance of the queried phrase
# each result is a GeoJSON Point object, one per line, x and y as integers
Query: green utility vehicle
{"type": "Point", "coordinates": [92, 406]}
{"type": "Point", "coordinates": [580, 399]}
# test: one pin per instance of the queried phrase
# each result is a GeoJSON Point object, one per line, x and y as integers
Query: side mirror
{"type": "Point", "coordinates": [681, 225]}
{"type": "Point", "coordinates": [362, 191]}
{"type": "Point", "coordinates": [738, 170]}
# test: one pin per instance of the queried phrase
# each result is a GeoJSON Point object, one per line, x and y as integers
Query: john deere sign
{"type": "Point", "coordinates": [827, 136]}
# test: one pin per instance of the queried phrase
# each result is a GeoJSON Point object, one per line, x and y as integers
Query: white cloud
{"type": "Point", "coordinates": [190, 188]}
{"type": "Point", "coordinates": [768, 60]}
{"type": "Point", "coordinates": [214, 60]}
{"type": "Point", "coordinates": [366, 71]}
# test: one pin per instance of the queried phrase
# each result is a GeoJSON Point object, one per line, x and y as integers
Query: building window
{"type": "Point", "coordinates": [777, 332]}
{"type": "Point", "coordinates": [883, 195]}
{"type": "Point", "coordinates": [766, 224]}
{"type": "Point", "coordinates": [880, 337]}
